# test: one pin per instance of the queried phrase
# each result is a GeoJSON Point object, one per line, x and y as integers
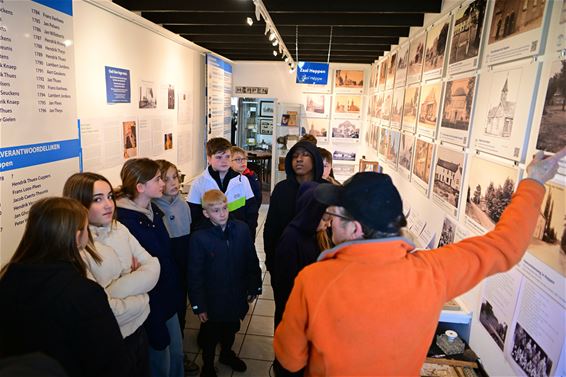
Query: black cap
{"type": "Point", "coordinates": [370, 198]}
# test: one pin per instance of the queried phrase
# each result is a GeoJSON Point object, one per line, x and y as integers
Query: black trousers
{"type": "Point", "coordinates": [214, 332]}
{"type": "Point", "coordinates": [137, 348]}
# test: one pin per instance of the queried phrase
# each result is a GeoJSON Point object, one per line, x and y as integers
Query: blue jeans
{"type": "Point", "coordinates": [169, 361]}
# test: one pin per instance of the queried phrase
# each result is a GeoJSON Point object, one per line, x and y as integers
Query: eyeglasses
{"type": "Point", "coordinates": [346, 218]}
{"type": "Point", "coordinates": [240, 160]}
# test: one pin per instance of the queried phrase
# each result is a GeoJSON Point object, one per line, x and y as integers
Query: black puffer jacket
{"type": "Point", "coordinates": [283, 199]}
{"type": "Point", "coordinates": [223, 270]}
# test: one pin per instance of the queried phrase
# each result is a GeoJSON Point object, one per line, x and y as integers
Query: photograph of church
{"type": "Point", "coordinates": [501, 113]}
{"type": "Point", "coordinates": [512, 17]}
{"type": "Point", "coordinates": [458, 100]}
{"type": "Point", "coordinates": [466, 35]}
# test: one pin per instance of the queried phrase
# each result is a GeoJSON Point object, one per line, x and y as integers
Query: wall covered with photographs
{"type": "Point", "coordinates": [162, 118]}
{"type": "Point", "coordinates": [454, 114]}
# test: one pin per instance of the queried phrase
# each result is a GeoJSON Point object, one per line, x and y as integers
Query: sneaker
{"type": "Point", "coordinates": [208, 371]}
{"type": "Point", "coordinates": [191, 368]}
{"type": "Point", "coordinates": [233, 361]}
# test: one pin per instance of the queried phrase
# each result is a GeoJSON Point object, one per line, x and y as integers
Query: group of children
{"type": "Point", "coordinates": [147, 248]}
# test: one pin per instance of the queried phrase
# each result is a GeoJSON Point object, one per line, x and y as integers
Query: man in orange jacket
{"type": "Point", "coordinates": [370, 307]}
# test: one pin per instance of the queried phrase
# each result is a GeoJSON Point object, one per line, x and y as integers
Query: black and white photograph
{"type": "Point", "coordinates": [529, 355]}
{"type": "Point", "coordinates": [466, 36]}
{"type": "Point", "coordinates": [416, 58]}
{"type": "Point", "coordinates": [410, 108]}
{"type": "Point", "coordinates": [448, 173]}
{"type": "Point", "coordinates": [346, 129]}
{"type": "Point", "coordinates": [343, 170]}
{"type": "Point", "coordinates": [393, 147]}
{"type": "Point", "coordinates": [488, 194]}
{"type": "Point", "coordinates": [341, 155]}
{"type": "Point", "coordinates": [266, 108]}
{"type": "Point", "coordinates": [503, 109]}
{"type": "Point", "coordinates": [496, 327]}
{"type": "Point", "coordinates": [397, 107]}
{"type": "Point", "coordinates": [147, 95]}
{"type": "Point", "coordinates": [448, 232]}
{"type": "Point", "coordinates": [266, 126]}
{"type": "Point", "coordinates": [552, 131]}
{"type": "Point", "coordinates": [435, 48]}
{"type": "Point", "coordinates": [406, 149]}
{"type": "Point", "coordinates": [170, 97]}
{"type": "Point", "coordinates": [457, 110]}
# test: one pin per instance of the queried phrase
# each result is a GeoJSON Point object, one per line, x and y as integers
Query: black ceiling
{"type": "Point", "coordinates": [361, 29]}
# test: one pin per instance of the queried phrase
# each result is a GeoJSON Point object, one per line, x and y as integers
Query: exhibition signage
{"type": "Point", "coordinates": [117, 85]}
{"type": "Point", "coordinates": [39, 147]}
{"type": "Point", "coordinates": [218, 97]}
{"type": "Point", "coordinates": [312, 73]}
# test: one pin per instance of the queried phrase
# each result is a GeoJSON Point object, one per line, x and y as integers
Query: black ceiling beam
{"type": "Point", "coordinates": [337, 59]}
{"type": "Point", "coordinates": [404, 6]}
{"type": "Point", "coordinates": [307, 54]}
{"type": "Point", "coordinates": [282, 19]}
{"type": "Point", "coordinates": [307, 31]}
{"type": "Point", "coordinates": [244, 47]}
{"type": "Point", "coordinates": [200, 39]}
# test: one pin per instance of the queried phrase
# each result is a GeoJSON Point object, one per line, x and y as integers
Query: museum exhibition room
{"type": "Point", "coordinates": [449, 98]}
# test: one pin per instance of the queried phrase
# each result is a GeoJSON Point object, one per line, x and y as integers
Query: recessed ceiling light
{"type": "Point", "coordinates": [249, 21]}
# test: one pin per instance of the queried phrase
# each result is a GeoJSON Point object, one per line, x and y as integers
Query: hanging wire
{"type": "Point", "coordinates": [297, 42]}
{"type": "Point", "coordinates": [329, 45]}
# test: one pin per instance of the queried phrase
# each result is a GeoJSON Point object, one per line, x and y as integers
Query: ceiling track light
{"type": "Point", "coordinates": [274, 36]}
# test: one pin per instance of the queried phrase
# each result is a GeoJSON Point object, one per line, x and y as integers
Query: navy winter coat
{"type": "Point", "coordinates": [297, 247]}
{"type": "Point", "coordinates": [223, 270]}
{"type": "Point", "coordinates": [167, 297]}
{"type": "Point", "coordinates": [283, 199]}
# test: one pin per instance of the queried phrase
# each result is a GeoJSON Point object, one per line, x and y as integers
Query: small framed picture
{"type": "Point", "coordinates": [366, 165]}
{"type": "Point", "coordinates": [266, 109]}
{"type": "Point", "coordinates": [266, 126]}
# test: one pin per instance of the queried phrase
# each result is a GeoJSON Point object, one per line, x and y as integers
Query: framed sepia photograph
{"type": "Point", "coordinates": [349, 79]}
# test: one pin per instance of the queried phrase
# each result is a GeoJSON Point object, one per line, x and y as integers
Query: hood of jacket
{"type": "Point", "coordinates": [308, 210]}
{"type": "Point", "coordinates": [127, 203]}
{"type": "Point", "coordinates": [317, 164]}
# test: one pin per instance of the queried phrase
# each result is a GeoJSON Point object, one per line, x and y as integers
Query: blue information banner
{"type": "Point", "coordinates": [312, 73]}
{"type": "Point", "coordinates": [23, 156]}
{"type": "Point", "coordinates": [117, 85]}
{"type": "Point", "coordinates": [63, 6]}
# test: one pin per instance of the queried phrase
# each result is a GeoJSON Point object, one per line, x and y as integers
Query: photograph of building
{"type": "Point", "coordinates": [397, 107]}
{"type": "Point", "coordinates": [393, 146]}
{"type": "Point", "coordinates": [317, 127]}
{"type": "Point", "coordinates": [315, 104]}
{"type": "Point", "coordinates": [552, 132]}
{"type": "Point", "coordinates": [513, 17]}
{"type": "Point", "coordinates": [416, 54]}
{"type": "Point", "coordinates": [458, 100]}
{"type": "Point", "coordinates": [348, 104]}
{"type": "Point", "coordinates": [386, 107]}
{"type": "Point", "coordinates": [423, 160]}
{"type": "Point", "coordinates": [501, 113]}
{"type": "Point", "coordinates": [406, 147]}
{"type": "Point", "coordinates": [346, 129]}
{"type": "Point", "coordinates": [448, 175]}
{"type": "Point", "coordinates": [467, 31]}
{"type": "Point", "coordinates": [392, 67]}
{"type": "Point", "coordinates": [383, 139]}
{"type": "Point", "coordinates": [436, 40]}
{"type": "Point", "coordinates": [429, 105]}
{"type": "Point", "coordinates": [349, 79]}
{"type": "Point", "coordinates": [410, 106]}
{"type": "Point", "coordinates": [402, 66]}
{"type": "Point", "coordinates": [448, 232]}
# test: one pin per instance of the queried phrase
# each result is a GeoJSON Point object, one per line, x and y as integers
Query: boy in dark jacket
{"type": "Point", "coordinates": [223, 277]}
{"type": "Point", "coordinates": [303, 163]}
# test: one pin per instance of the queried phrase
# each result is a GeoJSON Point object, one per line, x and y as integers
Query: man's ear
{"type": "Point", "coordinates": [358, 232]}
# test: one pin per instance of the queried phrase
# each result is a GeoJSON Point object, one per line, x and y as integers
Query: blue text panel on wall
{"type": "Point", "coordinates": [117, 85]}
{"type": "Point", "coordinates": [312, 73]}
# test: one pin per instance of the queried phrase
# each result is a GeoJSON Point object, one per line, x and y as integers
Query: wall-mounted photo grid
{"type": "Point", "coordinates": [455, 112]}
{"type": "Point", "coordinates": [335, 117]}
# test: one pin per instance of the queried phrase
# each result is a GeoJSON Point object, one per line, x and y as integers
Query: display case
{"type": "Point", "coordinates": [287, 131]}
{"type": "Point", "coordinates": [255, 123]}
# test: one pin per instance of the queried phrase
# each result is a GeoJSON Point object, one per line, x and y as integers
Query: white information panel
{"type": "Point", "coordinates": [39, 143]}
{"type": "Point", "coordinates": [218, 95]}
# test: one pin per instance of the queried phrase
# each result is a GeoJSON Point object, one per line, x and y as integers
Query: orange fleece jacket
{"type": "Point", "coordinates": [371, 307]}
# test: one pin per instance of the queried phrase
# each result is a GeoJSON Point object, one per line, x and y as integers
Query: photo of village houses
{"type": "Point", "coordinates": [466, 35]}
{"type": "Point", "coordinates": [458, 100]}
{"type": "Point", "coordinates": [488, 194]}
{"type": "Point", "coordinates": [448, 174]}
{"type": "Point", "coordinates": [513, 17]}
{"type": "Point", "coordinates": [552, 132]}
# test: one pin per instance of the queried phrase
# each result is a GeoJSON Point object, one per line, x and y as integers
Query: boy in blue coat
{"type": "Point", "coordinates": [223, 277]}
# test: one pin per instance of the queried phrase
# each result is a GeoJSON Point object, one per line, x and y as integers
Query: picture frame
{"type": "Point", "coordinates": [366, 165]}
{"type": "Point", "coordinates": [266, 109]}
{"type": "Point", "coordinates": [266, 126]}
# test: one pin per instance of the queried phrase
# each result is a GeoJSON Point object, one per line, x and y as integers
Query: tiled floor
{"type": "Point", "coordinates": [254, 342]}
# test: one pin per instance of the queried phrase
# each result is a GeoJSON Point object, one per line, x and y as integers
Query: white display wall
{"type": "Point", "coordinates": [472, 119]}
{"type": "Point", "coordinates": [171, 125]}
